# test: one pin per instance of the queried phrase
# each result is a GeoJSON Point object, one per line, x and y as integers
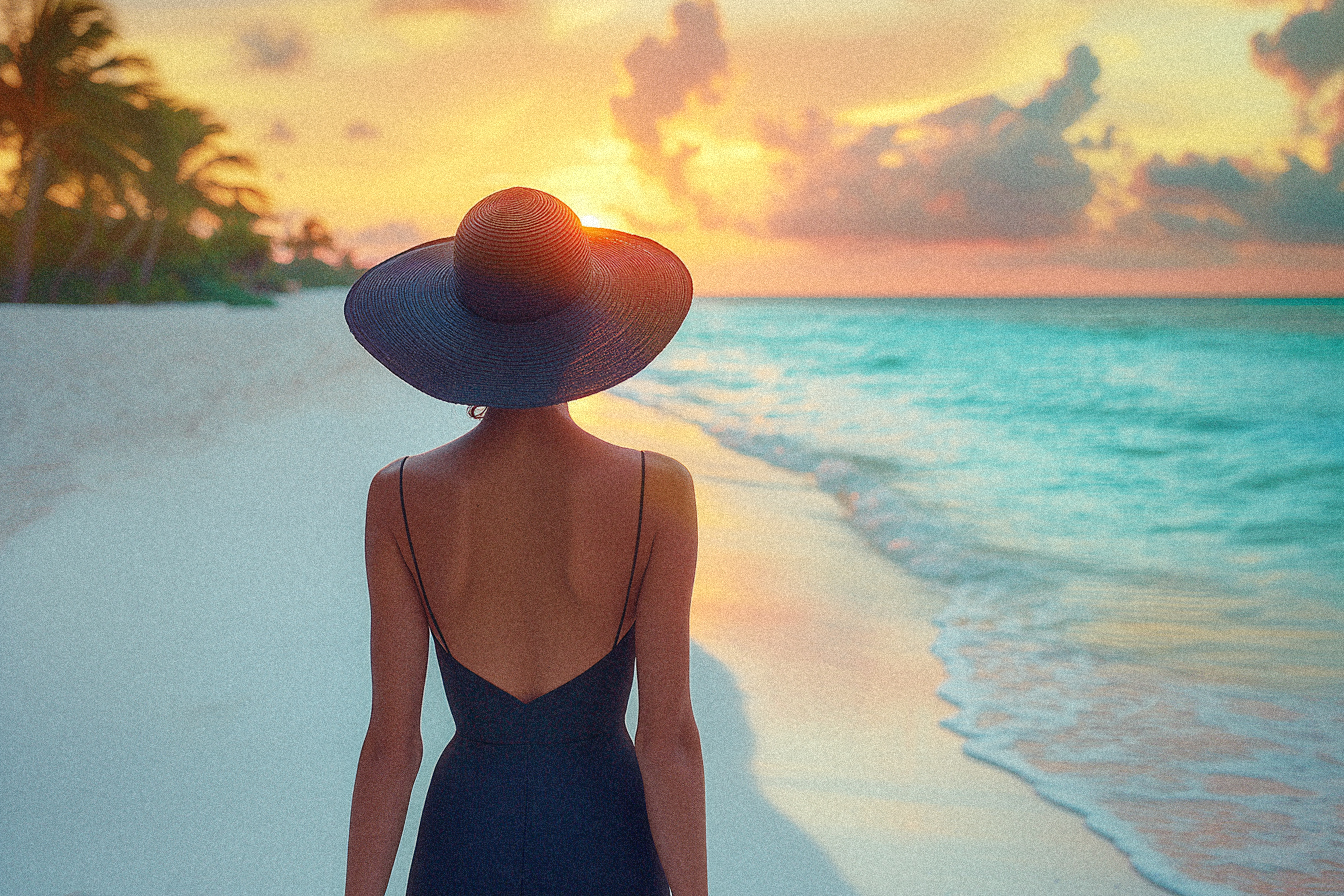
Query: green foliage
{"type": "Point", "coordinates": [311, 244]}
{"type": "Point", "coordinates": [140, 177]}
{"type": "Point", "coordinates": [229, 265]}
{"type": "Point", "coordinates": [64, 103]}
{"type": "Point", "coordinates": [308, 273]}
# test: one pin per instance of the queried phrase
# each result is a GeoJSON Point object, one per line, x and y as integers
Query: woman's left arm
{"type": "Point", "coordinates": [667, 741]}
{"type": "Point", "coordinates": [399, 651]}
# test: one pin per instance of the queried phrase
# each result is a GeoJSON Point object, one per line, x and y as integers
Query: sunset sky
{"type": "Point", "coordinates": [864, 147]}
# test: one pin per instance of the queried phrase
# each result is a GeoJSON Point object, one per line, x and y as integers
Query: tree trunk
{"type": "Point", "coordinates": [152, 250]}
{"type": "Point", "coordinates": [26, 238]}
{"type": "Point", "coordinates": [86, 239]}
{"type": "Point", "coordinates": [123, 250]}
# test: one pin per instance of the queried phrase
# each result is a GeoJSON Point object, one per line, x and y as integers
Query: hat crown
{"type": "Point", "coordinates": [520, 255]}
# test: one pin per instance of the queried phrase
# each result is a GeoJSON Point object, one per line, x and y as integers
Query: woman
{"type": "Point", "coordinates": [542, 562]}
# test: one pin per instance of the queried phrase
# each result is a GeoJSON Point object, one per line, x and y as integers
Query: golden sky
{"type": "Point", "coordinates": [865, 147]}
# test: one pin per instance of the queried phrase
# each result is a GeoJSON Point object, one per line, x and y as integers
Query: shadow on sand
{"type": "Point", "coordinates": [753, 847]}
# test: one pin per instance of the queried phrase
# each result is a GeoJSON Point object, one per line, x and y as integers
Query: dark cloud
{"type": "Point", "coordinates": [1307, 49]}
{"type": "Point", "coordinates": [664, 75]}
{"type": "Point", "coordinates": [359, 129]}
{"type": "Point", "coordinates": [1232, 199]}
{"type": "Point", "coordinates": [273, 47]}
{"type": "Point", "coordinates": [982, 169]}
{"type": "Point", "coordinates": [1308, 52]}
{"type": "Point", "coordinates": [1235, 199]}
{"type": "Point", "coordinates": [1197, 177]}
{"type": "Point", "coordinates": [1065, 101]}
{"type": "Point", "coordinates": [1105, 142]}
{"type": "Point", "coordinates": [481, 7]}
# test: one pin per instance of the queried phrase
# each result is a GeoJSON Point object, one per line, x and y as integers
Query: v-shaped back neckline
{"type": "Point", "coordinates": [564, 684]}
{"type": "Point", "coordinates": [436, 634]}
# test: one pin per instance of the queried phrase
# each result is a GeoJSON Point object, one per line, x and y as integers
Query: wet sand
{"type": "Point", "coordinates": [830, 642]}
{"type": "Point", "coordinates": [183, 634]}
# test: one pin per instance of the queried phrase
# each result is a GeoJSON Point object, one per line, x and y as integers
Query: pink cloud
{"type": "Point", "coordinates": [664, 76]}
{"type": "Point", "coordinates": [981, 169]}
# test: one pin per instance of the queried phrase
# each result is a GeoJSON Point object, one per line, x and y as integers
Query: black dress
{"type": "Point", "coordinates": [542, 797]}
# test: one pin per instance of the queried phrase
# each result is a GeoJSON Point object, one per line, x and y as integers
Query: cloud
{"type": "Point", "coordinates": [392, 232]}
{"type": "Point", "coordinates": [280, 132]}
{"type": "Point", "coordinates": [981, 169]}
{"type": "Point", "coordinates": [1308, 52]}
{"type": "Point", "coordinates": [359, 129]}
{"type": "Point", "coordinates": [1307, 49]}
{"type": "Point", "coordinates": [664, 76]}
{"type": "Point", "coordinates": [273, 48]}
{"type": "Point", "coordinates": [1196, 176]}
{"type": "Point", "coordinates": [480, 7]}
{"type": "Point", "coordinates": [1236, 200]}
{"type": "Point", "coordinates": [1104, 143]}
{"type": "Point", "coordinates": [1232, 199]}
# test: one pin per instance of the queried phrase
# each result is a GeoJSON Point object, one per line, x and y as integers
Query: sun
{"type": "Point", "coordinates": [591, 221]}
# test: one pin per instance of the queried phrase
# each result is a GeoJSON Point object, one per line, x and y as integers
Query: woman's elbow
{"type": "Point", "coordinates": [389, 748]}
{"type": "Point", "coordinates": [679, 742]}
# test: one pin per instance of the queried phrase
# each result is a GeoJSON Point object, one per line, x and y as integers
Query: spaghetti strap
{"type": "Point", "coordinates": [543, 795]}
{"type": "Point", "coordinates": [639, 528]}
{"type": "Point", "coordinates": [424, 598]}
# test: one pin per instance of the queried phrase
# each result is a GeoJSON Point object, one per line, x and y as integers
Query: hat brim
{"type": "Point", "coordinates": [406, 313]}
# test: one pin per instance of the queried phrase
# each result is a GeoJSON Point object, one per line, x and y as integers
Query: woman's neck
{"type": "Point", "coordinates": [512, 425]}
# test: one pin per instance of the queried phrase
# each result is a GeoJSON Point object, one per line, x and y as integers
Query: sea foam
{"type": "Point", "coordinates": [1131, 512]}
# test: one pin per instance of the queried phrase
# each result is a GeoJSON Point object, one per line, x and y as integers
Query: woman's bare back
{"type": "Point", "coordinates": [525, 538]}
{"type": "Point", "coordinates": [520, 539]}
{"type": "Point", "coordinates": [523, 532]}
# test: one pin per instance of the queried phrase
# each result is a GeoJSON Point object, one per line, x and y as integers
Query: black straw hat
{"type": "Point", "coordinates": [524, 307]}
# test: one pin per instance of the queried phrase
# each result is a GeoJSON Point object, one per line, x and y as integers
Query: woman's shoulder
{"type": "Point", "coordinates": [667, 470]}
{"type": "Point", "coordinates": [668, 484]}
{"type": "Point", "coordinates": [389, 477]}
{"type": "Point", "coordinates": [385, 491]}
{"type": "Point", "coordinates": [429, 464]}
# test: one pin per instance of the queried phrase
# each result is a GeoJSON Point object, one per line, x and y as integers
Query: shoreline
{"type": "Point", "coordinates": [831, 644]}
{"type": "Point", "coordinates": [184, 630]}
{"type": "Point", "coordinates": [200, 729]}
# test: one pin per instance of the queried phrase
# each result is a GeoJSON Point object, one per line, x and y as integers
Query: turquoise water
{"type": "Point", "coordinates": [1135, 511]}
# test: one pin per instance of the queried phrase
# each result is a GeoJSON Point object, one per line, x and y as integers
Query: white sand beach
{"type": "Point", "coordinates": [183, 626]}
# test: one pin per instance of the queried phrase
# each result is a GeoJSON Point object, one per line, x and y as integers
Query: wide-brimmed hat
{"type": "Point", "coordinates": [524, 307]}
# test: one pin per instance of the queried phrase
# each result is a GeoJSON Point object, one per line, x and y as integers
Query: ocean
{"type": "Point", "coordinates": [1134, 511]}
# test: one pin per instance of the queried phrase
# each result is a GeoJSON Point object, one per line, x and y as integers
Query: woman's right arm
{"type": "Point", "coordinates": [667, 741]}
{"type": "Point", "coordinates": [399, 651]}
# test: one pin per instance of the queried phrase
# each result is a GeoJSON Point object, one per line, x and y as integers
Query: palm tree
{"type": "Point", "coordinates": [61, 88]}
{"type": "Point", "coordinates": [101, 174]}
{"type": "Point", "coordinates": [313, 236]}
{"type": "Point", "coordinates": [186, 173]}
{"type": "Point", "coordinates": [99, 196]}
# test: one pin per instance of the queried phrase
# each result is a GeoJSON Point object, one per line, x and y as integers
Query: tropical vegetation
{"type": "Point", "coordinates": [116, 190]}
